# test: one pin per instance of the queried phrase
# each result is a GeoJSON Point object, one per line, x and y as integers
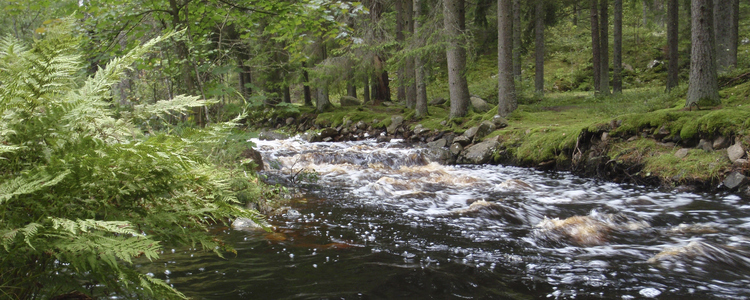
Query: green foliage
{"type": "Point", "coordinates": [83, 193]}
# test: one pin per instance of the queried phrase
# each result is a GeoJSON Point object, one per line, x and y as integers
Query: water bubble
{"type": "Point", "coordinates": [167, 272]}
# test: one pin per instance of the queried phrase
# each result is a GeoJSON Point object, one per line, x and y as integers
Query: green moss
{"type": "Point", "coordinates": [546, 143]}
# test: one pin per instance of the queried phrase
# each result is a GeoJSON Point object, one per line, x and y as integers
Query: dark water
{"type": "Point", "coordinates": [382, 222]}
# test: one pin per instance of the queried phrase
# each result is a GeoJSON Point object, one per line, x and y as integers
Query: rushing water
{"type": "Point", "coordinates": [383, 222]}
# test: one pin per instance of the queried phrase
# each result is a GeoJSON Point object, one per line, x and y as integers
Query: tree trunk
{"type": "Point", "coordinates": [617, 45]}
{"type": "Point", "coordinates": [411, 85]}
{"type": "Point", "coordinates": [506, 94]}
{"type": "Point", "coordinates": [366, 89]}
{"type": "Point", "coordinates": [722, 32]}
{"type": "Point", "coordinates": [517, 39]}
{"type": "Point", "coordinates": [576, 14]}
{"type": "Point", "coordinates": [306, 87]}
{"type": "Point", "coordinates": [539, 46]}
{"type": "Point", "coordinates": [400, 40]}
{"type": "Point", "coordinates": [287, 94]}
{"type": "Point", "coordinates": [604, 40]}
{"type": "Point", "coordinates": [734, 33]}
{"type": "Point", "coordinates": [672, 43]}
{"type": "Point", "coordinates": [595, 45]}
{"type": "Point", "coordinates": [645, 13]}
{"type": "Point", "coordinates": [419, 78]}
{"type": "Point", "coordinates": [704, 87]}
{"type": "Point", "coordinates": [454, 22]}
{"type": "Point", "coordinates": [322, 100]}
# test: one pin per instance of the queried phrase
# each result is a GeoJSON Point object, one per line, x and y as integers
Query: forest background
{"type": "Point", "coordinates": [171, 84]}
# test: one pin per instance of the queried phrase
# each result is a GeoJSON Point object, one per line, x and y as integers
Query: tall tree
{"type": "Point", "coordinates": [617, 51]}
{"type": "Point", "coordinates": [672, 43]}
{"type": "Point", "coordinates": [722, 29]}
{"type": "Point", "coordinates": [454, 22]}
{"type": "Point", "coordinates": [539, 46]}
{"type": "Point", "coordinates": [506, 95]}
{"type": "Point", "coordinates": [517, 39]}
{"type": "Point", "coordinates": [595, 45]}
{"type": "Point", "coordinates": [604, 48]}
{"type": "Point", "coordinates": [419, 77]}
{"type": "Point", "coordinates": [734, 33]}
{"type": "Point", "coordinates": [400, 39]}
{"type": "Point", "coordinates": [411, 85]}
{"type": "Point", "coordinates": [703, 87]}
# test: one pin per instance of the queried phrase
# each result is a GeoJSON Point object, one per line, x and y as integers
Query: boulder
{"type": "Point", "coordinates": [361, 125]}
{"type": "Point", "coordinates": [720, 143]}
{"type": "Point", "coordinates": [735, 152]}
{"type": "Point", "coordinates": [479, 104]}
{"type": "Point", "coordinates": [478, 154]}
{"type": "Point", "coordinates": [484, 129]}
{"type": "Point", "coordinates": [311, 137]}
{"type": "Point", "coordinates": [349, 101]}
{"type": "Point", "coordinates": [471, 132]}
{"type": "Point", "coordinates": [456, 148]}
{"type": "Point", "coordinates": [437, 101]}
{"type": "Point", "coordinates": [682, 153]}
{"type": "Point", "coordinates": [705, 145]}
{"type": "Point", "coordinates": [272, 135]}
{"type": "Point", "coordinates": [734, 180]}
{"type": "Point", "coordinates": [440, 143]}
{"type": "Point", "coordinates": [246, 224]}
{"type": "Point", "coordinates": [255, 157]}
{"type": "Point", "coordinates": [289, 121]}
{"type": "Point", "coordinates": [440, 155]}
{"type": "Point", "coordinates": [499, 121]}
{"type": "Point", "coordinates": [328, 132]}
{"type": "Point", "coordinates": [461, 140]}
{"type": "Point", "coordinates": [396, 121]}
{"type": "Point", "coordinates": [419, 129]}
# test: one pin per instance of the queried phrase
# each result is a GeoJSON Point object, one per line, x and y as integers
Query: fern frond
{"type": "Point", "coordinates": [179, 105]}
{"type": "Point", "coordinates": [21, 185]}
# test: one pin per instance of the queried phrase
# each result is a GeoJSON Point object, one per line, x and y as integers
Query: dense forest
{"type": "Point", "coordinates": [125, 121]}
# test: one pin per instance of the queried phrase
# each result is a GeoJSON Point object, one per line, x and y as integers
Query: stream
{"type": "Point", "coordinates": [380, 221]}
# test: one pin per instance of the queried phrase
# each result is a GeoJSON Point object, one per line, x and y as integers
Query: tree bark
{"type": "Point", "coordinates": [617, 51]}
{"type": "Point", "coordinates": [604, 40]}
{"type": "Point", "coordinates": [517, 39]}
{"type": "Point", "coordinates": [734, 33]}
{"type": "Point", "coordinates": [595, 45]}
{"type": "Point", "coordinates": [722, 32]}
{"type": "Point", "coordinates": [306, 86]}
{"type": "Point", "coordinates": [400, 39]}
{"type": "Point", "coordinates": [539, 46]}
{"type": "Point", "coordinates": [454, 22]}
{"type": "Point", "coordinates": [506, 95]}
{"type": "Point", "coordinates": [704, 87]}
{"type": "Point", "coordinates": [419, 78]}
{"type": "Point", "coordinates": [366, 88]}
{"type": "Point", "coordinates": [672, 43]}
{"type": "Point", "coordinates": [411, 85]}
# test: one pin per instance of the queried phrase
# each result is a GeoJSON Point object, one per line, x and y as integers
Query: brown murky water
{"type": "Point", "coordinates": [383, 222]}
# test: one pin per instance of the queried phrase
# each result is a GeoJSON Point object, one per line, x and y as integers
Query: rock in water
{"type": "Point", "coordinates": [255, 156]}
{"type": "Point", "coordinates": [734, 180]}
{"type": "Point", "coordinates": [478, 154]}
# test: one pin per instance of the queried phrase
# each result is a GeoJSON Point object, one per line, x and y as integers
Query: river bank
{"type": "Point", "coordinates": [702, 150]}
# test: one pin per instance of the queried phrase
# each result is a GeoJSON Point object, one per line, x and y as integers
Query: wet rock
{"type": "Point", "coordinates": [702, 254]}
{"type": "Point", "coordinates": [456, 148]}
{"type": "Point", "coordinates": [361, 125]}
{"type": "Point", "coordinates": [589, 230]}
{"type": "Point", "coordinates": [499, 121]}
{"type": "Point", "coordinates": [681, 153]}
{"type": "Point", "coordinates": [693, 229]}
{"type": "Point", "coordinates": [462, 140]}
{"type": "Point", "coordinates": [349, 101]}
{"type": "Point", "coordinates": [419, 129]}
{"type": "Point", "coordinates": [437, 101]}
{"type": "Point", "coordinates": [440, 143]}
{"type": "Point", "coordinates": [484, 129]}
{"type": "Point", "coordinates": [483, 208]}
{"type": "Point", "coordinates": [720, 142]}
{"type": "Point", "coordinates": [328, 132]}
{"type": "Point", "coordinates": [735, 152]}
{"type": "Point", "coordinates": [255, 157]}
{"type": "Point", "coordinates": [311, 137]}
{"type": "Point", "coordinates": [734, 180]}
{"type": "Point", "coordinates": [471, 132]}
{"type": "Point", "coordinates": [705, 145]}
{"type": "Point", "coordinates": [441, 156]}
{"type": "Point", "coordinates": [270, 135]}
{"type": "Point", "coordinates": [246, 224]}
{"type": "Point", "coordinates": [478, 154]}
{"type": "Point", "coordinates": [479, 104]}
{"type": "Point", "coordinates": [396, 121]}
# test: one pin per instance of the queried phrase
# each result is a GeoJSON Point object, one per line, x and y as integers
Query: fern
{"type": "Point", "coordinates": [82, 191]}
